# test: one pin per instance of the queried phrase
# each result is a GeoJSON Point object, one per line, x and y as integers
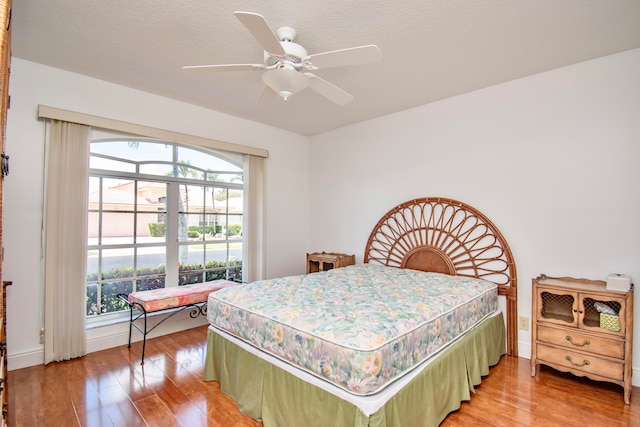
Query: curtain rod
{"type": "Point", "coordinates": [47, 112]}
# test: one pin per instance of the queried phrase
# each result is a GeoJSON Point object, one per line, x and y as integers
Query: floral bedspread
{"type": "Point", "coordinates": [359, 327]}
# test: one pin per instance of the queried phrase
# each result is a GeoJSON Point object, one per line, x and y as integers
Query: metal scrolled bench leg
{"type": "Point", "coordinates": [170, 301]}
{"type": "Point", "coordinates": [199, 309]}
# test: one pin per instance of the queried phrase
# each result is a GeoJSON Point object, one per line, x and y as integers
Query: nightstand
{"type": "Point", "coordinates": [581, 327]}
{"type": "Point", "coordinates": [323, 261]}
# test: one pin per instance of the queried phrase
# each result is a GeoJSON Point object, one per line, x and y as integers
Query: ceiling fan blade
{"type": "Point", "coordinates": [225, 67]}
{"type": "Point", "coordinates": [262, 32]}
{"type": "Point", "coordinates": [266, 98]}
{"type": "Point", "coordinates": [328, 90]}
{"type": "Point", "coordinates": [351, 56]}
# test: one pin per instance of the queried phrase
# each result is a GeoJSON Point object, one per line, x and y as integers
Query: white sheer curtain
{"type": "Point", "coordinates": [66, 241]}
{"type": "Point", "coordinates": [253, 220]}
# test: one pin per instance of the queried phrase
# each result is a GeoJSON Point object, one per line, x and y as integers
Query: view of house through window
{"type": "Point", "coordinates": [159, 215]}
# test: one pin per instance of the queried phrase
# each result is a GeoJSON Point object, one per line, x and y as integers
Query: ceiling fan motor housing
{"type": "Point", "coordinates": [294, 52]}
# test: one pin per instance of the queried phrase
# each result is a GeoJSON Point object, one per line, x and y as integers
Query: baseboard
{"type": "Point", "coordinates": [116, 335]}
{"type": "Point", "coordinates": [524, 350]}
{"type": "Point", "coordinates": [108, 336]}
{"type": "Point", "coordinates": [25, 359]}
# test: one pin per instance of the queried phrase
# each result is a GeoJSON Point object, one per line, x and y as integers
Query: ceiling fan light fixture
{"type": "Point", "coordinates": [285, 63]}
{"type": "Point", "coordinates": [285, 81]}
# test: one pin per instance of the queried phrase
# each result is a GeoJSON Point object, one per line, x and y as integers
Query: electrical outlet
{"type": "Point", "coordinates": [42, 336]}
{"type": "Point", "coordinates": [524, 323]}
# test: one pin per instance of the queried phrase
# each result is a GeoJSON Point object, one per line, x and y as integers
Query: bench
{"type": "Point", "coordinates": [172, 300]}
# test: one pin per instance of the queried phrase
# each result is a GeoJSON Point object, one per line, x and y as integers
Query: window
{"type": "Point", "coordinates": [159, 215]}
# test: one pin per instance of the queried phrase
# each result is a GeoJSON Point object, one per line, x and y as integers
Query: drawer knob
{"type": "Point", "coordinates": [570, 339]}
{"type": "Point", "coordinates": [584, 362]}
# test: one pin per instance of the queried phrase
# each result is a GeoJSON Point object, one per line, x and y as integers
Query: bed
{"type": "Point", "coordinates": [400, 339]}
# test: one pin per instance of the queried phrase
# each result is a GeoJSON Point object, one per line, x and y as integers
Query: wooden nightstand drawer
{"type": "Point", "coordinates": [584, 362]}
{"type": "Point", "coordinates": [575, 340]}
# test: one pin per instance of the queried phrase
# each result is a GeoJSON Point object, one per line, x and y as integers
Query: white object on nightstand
{"type": "Point", "coordinates": [618, 282]}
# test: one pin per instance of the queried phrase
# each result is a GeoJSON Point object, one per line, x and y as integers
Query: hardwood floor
{"type": "Point", "coordinates": [110, 388]}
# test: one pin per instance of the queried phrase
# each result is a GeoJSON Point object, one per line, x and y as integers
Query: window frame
{"type": "Point", "coordinates": [171, 242]}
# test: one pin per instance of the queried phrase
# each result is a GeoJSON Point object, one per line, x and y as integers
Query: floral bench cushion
{"type": "Point", "coordinates": [164, 298]}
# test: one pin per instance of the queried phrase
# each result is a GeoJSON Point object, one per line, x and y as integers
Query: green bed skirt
{"type": "Point", "coordinates": [276, 397]}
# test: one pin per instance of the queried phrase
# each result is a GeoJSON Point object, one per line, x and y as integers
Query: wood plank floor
{"type": "Point", "coordinates": [110, 388]}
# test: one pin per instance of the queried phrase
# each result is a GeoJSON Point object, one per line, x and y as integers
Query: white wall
{"type": "Point", "coordinates": [32, 84]}
{"type": "Point", "coordinates": [552, 160]}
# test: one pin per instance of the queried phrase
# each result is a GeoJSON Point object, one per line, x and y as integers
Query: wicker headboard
{"type": "Point", "coordinates": [447, 236]}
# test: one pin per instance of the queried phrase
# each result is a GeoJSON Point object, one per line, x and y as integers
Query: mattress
{"type": "Point", "coordinates": [359, 327]}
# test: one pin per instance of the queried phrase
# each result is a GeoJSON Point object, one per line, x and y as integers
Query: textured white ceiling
{"type": "Point", "coordinates": [431, 49]}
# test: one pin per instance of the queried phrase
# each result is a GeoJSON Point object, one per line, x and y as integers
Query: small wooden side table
{"type": "Point", "coordinates": [323, 261]}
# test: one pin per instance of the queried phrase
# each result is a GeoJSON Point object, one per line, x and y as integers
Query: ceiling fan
{"type": "Point", "coordinates": [287, 65]}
